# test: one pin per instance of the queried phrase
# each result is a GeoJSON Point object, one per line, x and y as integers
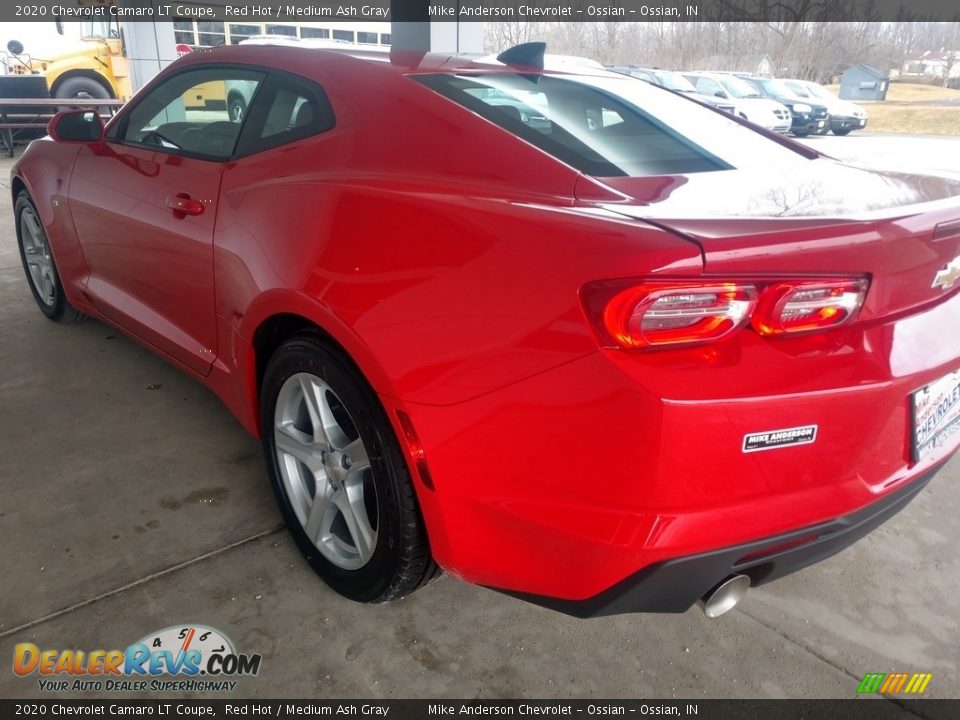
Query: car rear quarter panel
{"type": "Point", "coordinates": [444, 254]}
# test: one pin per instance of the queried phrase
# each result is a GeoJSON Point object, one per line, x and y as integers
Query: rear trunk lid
{"type": "Point", "coordinates": [815, 218]}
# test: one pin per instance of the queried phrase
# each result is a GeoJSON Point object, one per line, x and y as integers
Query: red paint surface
{"type": "Point", "coordinates": [447, 258]}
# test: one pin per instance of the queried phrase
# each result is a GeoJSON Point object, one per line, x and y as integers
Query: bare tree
{"type": "Point", "coordinates": [798, 44]}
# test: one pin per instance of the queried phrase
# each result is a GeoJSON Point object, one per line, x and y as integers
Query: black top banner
{"type": "Point", "coordinates": [485, 10]}
{"type": "Point", "coordinates": [353, 709]}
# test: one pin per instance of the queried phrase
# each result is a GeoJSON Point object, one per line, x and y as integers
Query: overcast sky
{"type": "Point", "coordinates": [40, 38]}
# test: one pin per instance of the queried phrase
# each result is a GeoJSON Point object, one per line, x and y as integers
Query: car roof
{"type": "Point", "coordinates": [285, 53]}
{"type": "Point", "coordinates": [704, 73]}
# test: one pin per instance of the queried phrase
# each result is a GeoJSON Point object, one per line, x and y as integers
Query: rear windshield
{"type": "Point", "coordinates": [609, 126]}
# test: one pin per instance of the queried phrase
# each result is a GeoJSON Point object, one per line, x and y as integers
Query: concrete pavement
{"type": "Point", "coordinates": [131, 500]}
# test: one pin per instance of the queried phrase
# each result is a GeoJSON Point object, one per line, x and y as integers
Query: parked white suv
{"type": "Point", "coordinates": [844, 115]}
{"type": "Point", "coordinates": [750, 103]}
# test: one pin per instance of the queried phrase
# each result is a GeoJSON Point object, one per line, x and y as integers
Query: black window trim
{"type": "Point", "coordinates": [250, 142]}
{"type": "Point", "coordinates": [271, 76]}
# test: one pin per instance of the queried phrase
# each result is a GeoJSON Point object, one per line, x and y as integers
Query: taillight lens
{"type": "Point", "coordinates": [676, 313]}
{"type": "Point", "coordinates": [670, 314]}
{"type": "Point", "coordinates": [790, 308]}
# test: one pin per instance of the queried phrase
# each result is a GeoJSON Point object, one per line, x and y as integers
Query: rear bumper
{"type": "Point", "coordinates": [581, 478]}
{"type": "Point", "coordinates": [673, 586]}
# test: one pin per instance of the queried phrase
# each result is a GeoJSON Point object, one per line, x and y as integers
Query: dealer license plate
{"type": "Point", "coordinates": [936, 416]}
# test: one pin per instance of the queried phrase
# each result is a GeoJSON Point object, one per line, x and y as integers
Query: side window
{"type": "Point", "coordinates": [286, 110]}
{"type": "Point", "coordinates": [290, 110]}
{"type": "Point", "coordinates": [188, 114]}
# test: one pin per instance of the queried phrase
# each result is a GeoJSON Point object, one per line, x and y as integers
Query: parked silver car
{"type": "Point", "coordinates": [845, 116]}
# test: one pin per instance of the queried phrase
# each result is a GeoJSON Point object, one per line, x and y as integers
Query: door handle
{"type": "Point", "coordinates": [182, 205]}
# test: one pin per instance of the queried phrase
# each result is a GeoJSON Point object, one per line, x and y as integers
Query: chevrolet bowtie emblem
{"type": "Point", "coordinates": [946, 278]}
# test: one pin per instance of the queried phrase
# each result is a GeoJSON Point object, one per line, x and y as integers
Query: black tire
{"type": "Point", "coordinates": [236, 108]}
{"type": "Point", "coordinates": [52, 301]}
{"type": "Point", "coordinates": [842, 131]}
{"type": "Point", "coordinates": [401, 561]}
{"type": "Point", "coordinates": [81, 87]}
{"type": "Point", "coordinates": [801, 133]}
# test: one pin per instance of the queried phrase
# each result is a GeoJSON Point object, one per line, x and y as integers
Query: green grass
{"type": "Point", "coordinates": [913, 119]}
{"type": "Point", "coordinates": [913, 93]}
{"type": "Point", "coordinates": [907, 110]}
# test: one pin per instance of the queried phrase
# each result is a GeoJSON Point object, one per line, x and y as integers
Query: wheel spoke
{"type": "Point", "coordinates": [321, 515]}
{"type": "Point", "coordinates": [44, 284]}
{"type": "Point", "coordinates": [350, 502]}
{"type": "Point", "coordinates": [36, 232]}
{"type": "Point", "coordinates": [357, 452]}
{"type": "Point", "coordinates": [35, 268]}
{"type": "Point", "coordinates": [291, 441]}
{"type": "Point", "coordinates": [334, 434]}
{"type": "Point", "coordinates": [311, 399]}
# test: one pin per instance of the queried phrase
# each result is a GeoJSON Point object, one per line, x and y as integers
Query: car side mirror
{"type": "Point", "coordinates": [84, 126]}
{"type": "Point", "coordinates": [719, 93]}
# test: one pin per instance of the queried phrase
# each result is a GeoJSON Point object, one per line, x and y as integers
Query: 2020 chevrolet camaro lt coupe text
{"type": "Point", "coordinates": [564, 334]}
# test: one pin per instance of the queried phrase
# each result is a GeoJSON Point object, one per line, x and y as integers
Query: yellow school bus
{"type": "Point", "coordinates": [99, 68]}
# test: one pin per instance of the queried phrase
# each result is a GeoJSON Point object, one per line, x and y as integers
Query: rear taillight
{"type": "Point", "coordinates": [675, 313]}
{"type": "Point", "coordinates": [657, 314]}
{"type": "Point", "coordinates": [790, 308]}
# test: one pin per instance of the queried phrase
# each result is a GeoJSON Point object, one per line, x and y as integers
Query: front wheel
{"type": "Point", "coordinates": [339, 475]}
{"type": "Point", "coordinates": [38, 263]}
{"type": "Point", "coordinates": [801, 133]}
{"type": "Point", "coordinates": [842, 131]}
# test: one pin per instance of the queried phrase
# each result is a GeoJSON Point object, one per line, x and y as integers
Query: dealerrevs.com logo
{"type": "Point", "coordinates": [180, 658]}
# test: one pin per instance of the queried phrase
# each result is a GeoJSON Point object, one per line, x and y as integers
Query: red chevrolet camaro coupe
{"type": "Point", "coordinates": [564, 334]}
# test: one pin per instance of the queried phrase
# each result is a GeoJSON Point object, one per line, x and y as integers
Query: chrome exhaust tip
{"type": "Point", "coordinates": [724, 596]}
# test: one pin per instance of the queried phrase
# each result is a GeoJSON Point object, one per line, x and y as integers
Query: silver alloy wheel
{"type": "Point", "coordinates": [326, 471]}
{"type": "Point", "coordinates": [36, 250]}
